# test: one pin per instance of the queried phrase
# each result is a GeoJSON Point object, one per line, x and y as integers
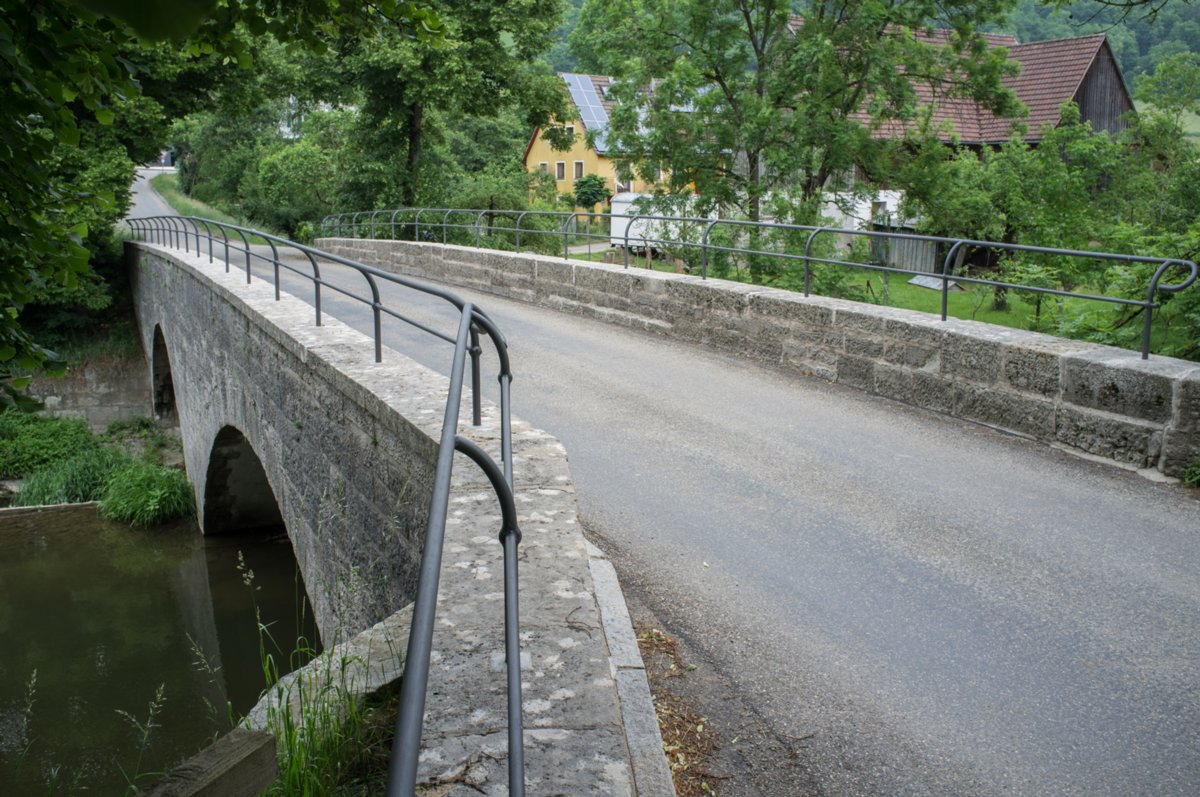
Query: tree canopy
{"type": "Point", "coordinates": [94, 75]}
{"type": "Point", "coordinates": [750, 103]}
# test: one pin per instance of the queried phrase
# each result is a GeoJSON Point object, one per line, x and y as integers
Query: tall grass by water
{"type": "Point", "coordinates": [63, 463]}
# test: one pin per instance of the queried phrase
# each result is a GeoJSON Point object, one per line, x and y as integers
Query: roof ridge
{"type": "Point", "coordinates": [1063, 39]}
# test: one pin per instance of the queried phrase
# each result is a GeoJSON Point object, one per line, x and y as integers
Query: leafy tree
{"type": "Point", "coordinates": [483, 65]}
{"type": "Point", "coordinates": [1174, 88]}
{"type": "Point", "coordinates": [591, 190]}
{"type": "Point", "coordinates": [748, 102]}
{"type": "Point", "coordinates": [1078, 189]}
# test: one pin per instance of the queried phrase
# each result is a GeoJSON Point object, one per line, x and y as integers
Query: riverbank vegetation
{"type": "Point", "coordinates": [62, 462]}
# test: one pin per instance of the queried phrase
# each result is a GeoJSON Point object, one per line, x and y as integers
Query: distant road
{"type": "Point", "coordinates": [145, 201]}
{"type": "Point", "coordinates": [933, 607]}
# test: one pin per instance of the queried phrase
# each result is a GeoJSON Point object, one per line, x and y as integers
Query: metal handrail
{"type": "Point", "coordinates": [646, 238]}
{"type": "Point", "coordinates": [402, 772]}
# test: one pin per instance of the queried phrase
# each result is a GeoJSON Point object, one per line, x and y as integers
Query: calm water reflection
{"type": "Point", "coordinates": [105, 615]}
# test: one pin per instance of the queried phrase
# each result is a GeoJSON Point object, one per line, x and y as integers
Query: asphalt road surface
{"type": "Point", "coordinates": [933, 607]}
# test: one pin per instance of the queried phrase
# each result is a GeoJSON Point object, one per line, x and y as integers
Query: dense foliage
{"type": "Point", "coordinates": [62, 462]}
{"type": "Point", "coordinates": [383, 121]}
{"type": "Point", "coordinates": [29, 443]}
{"type": "Point", "coordinates": [88, 90]}
{"type": "Point", "coordinates": [1136, 192]}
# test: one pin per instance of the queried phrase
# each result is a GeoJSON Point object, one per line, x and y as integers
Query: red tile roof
{"type": "Point", "coordinates": [1052, 72]}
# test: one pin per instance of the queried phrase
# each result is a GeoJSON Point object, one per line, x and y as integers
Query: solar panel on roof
{"type": "Point", "coordinates": [587, 100]}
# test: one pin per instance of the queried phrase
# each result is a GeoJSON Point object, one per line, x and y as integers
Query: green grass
{"type": "Point", "coordinates": [62, 462]}
{"type": "Point", "coordinates": [81, 478]}
{"type": "Point", "coordinates": [167, 186]}
{"type": "Point", "coordinates": [29, 443]}
{"type": "Point", "coordinates": [144, 494]}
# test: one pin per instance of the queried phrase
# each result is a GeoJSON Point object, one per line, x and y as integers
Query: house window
{"type": "Point", "coordinates": [624, 180]}
{"type": "Point", "coordinates": [879, 213]}
{"type": "Point", "coordinates": [578, 169]}
{"type": "Point", "coordinates": [560, 170]}
{"type": "Point", "coordinates": [544, 167]}
{"type": "Point", "coordinates": [571, 131]}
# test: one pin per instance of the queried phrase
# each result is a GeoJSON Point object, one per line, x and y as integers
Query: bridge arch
{"type": "Point", "coordinates": [161, 381]}
{"type": "Point", "coordinates": [237, 494]}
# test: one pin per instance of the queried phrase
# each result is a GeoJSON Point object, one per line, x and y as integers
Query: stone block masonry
{"type": "Point", "coordinates": [348, 447]}
{"type": "Point", "coordinates": [1099, 400]}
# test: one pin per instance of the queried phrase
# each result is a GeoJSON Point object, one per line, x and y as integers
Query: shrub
{"type": "Point", "coordinates": [142, 494]}
{"type": "Point", "coordinates": [1191, 476]}
{"type": "Point", "coordinates": [29, 443]}
{"type": "Point", "coordinates": [83, 477]}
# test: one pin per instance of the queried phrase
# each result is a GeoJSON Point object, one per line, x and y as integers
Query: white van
{"type": "Point", "coordinates": [640, 232]}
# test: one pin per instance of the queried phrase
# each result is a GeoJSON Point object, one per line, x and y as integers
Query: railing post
{"type": "Point", "coordinates": [478, 219]}
{"type": "Point", "coordinates": [704, 249]}
{"type": "Point", "coordinates": [1150, 304]}
{"type": "Point", "coordinates": [208, 235]}
{"type": "Point", "coordinates": [246, 243]}
{"type": "Point", "coordinates": [376, 306]}
{"type": "Point", "coordinates": [445, 225]}
{"type": "Point", "coordinates": [628, 226]}
{"type": "Point", "coordinates": [565, 234]}
{"type": "Point", "coordinates": [521, 216]}
{"type": "Point", "coordinates": [476, 397]}
{"type": "Point", "coordinates": [946, 277]}
{"type": "Point", "coordinates": [275, 262]}
{"type": "Point", "coordinates": [808, 260]}
{"type": "Point", "coordinates": [316, 283]}
{"type": "Point", "coordinates": [417, 225]}
{"type": "Point", "coordinates": [393, 224]}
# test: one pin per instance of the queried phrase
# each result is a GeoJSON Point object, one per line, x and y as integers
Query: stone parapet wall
{"type": "Point", "coordinates": [1097, 399]}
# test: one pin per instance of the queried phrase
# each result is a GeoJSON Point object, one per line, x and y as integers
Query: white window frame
{"type": "Point", "coordinates": [560, 171]}
{"type": "Point", "coordinates": [544, 166]}
{"type": "Point", "coordinates": [578, 172]}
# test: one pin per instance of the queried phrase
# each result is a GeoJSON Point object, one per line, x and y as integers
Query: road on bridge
{"type": "Point", "coordinates": [909, 604]}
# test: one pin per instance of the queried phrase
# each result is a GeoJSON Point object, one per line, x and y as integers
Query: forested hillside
{"type": "Point", "coordinates": [1138, 40]}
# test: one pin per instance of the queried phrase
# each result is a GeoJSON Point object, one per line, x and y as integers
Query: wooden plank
{"type": "Point", "coordinates": [240, 764]}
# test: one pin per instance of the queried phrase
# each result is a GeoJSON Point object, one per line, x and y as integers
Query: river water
{"type": "Point", "coordinates": [99, 622]}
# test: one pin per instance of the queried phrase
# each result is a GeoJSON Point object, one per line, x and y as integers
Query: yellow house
{"type": "Point", "coordinates": [589, 94]}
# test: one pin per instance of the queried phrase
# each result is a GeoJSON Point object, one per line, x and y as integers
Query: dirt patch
{"type": "Point", "coordinates": [688, 740]}
{"type": "Point", "coordinates": [717, 745]}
